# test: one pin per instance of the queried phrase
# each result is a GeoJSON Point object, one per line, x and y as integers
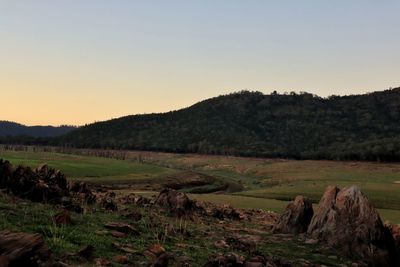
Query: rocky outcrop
{"type": "Point", "coordinates": [176, 203]}
{"type": "Point", "coordinates": [21, 249]}
{"type": "Point", "coordinates": [296, 217]}
{"type": "Point", "coordinates": [347, 221]}
{"type": "Point", "coordinates": [43, 184]}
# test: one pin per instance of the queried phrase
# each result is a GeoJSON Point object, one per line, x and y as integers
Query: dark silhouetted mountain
{"type": "Point", "coordinates": [362, 127]}
{"type": "Point", "coordinates": [8, 128]}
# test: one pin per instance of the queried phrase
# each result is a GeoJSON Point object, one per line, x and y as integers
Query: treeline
{"type": "Point", "coordinates": [12, 129]}
{"type": "Point", "coordinates": [300, 126]}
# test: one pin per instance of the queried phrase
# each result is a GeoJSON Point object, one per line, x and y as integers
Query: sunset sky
{"type": "Point", "coordinates": [76, 62]}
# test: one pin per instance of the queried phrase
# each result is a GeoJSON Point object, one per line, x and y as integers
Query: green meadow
{"type": "Point", "coordinates": [86, 168]}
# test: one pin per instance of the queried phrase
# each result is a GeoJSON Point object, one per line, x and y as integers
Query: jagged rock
{"type": "Point", "coordinates": [108, 202]}
{"type": "Point", "coordinates": [21, 249]}
{"type": "Point", "coordinates": [41, 185]}
{"type": "Point", "coordinates": [122, 227]}
{"type": "Point", "coordinates": [175, 202]}
{"type": "Point", "coordinates": [44, 184]}
{"type": "Point", "coordinates": [81, 190]}
{"type": "Point", "coordinates": [296, 217]}
{"type": "Point", "coordinates": [347, 221]}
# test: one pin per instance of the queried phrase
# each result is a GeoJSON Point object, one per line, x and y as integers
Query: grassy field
{"type": "Point", "coordinates": [268, 184]}
{"type": "Point", "coordinates": [284, 179]}
{"type": "Point", "coordinates": [85, 168]}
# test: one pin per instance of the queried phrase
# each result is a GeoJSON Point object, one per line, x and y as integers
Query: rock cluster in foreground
{"type": "Point", "coordinates": [346, 220]}
{"type": "Point", "coordinates": [44, 184]}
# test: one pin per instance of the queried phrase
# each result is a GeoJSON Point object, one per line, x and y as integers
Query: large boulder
{"type": "Point", "coordinates": [177, 203]}
{"type": "Point", "coordinates": [22, 249]}
{"type": "Point", "coordinates": [347, 221]}
{"type": "Point", "coordinates": [296, 217]}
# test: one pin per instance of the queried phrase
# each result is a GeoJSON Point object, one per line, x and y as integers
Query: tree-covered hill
{"type": "Point", "coordinates": [8, 128]}
{"type": "Point", "coordinates": [362, 127]}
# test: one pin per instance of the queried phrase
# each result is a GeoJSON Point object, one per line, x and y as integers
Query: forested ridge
{"type": "Point", "coordinates": [304, 126]}
{"type": "Point", "coordinates": [8, 128]}
{"type": "Point", "coordinates": [301, 126]}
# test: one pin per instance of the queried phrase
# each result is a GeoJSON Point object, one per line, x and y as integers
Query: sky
{"type": "Point", "coordinates": [79, 61]}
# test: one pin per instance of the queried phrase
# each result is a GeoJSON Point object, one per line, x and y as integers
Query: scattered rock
{"type": "Point", "coordinates": [22, 249]}
{"type": "Point", "coordinates": [118, 234]}
{"type": "Point", "coordinates": [311, 241]}
{"type": "Point", "coordinates": [183, 261]}
{"type": "Point", "coordinates": [244, 242]}
{"type": "Point", "coordinates": [221, 260]}
{"type": "Point", "coordinates": [102, 262]}
{"type": "Point", "coordinates": [62, 218]}
{"type": "Point", "coordinates": [163, 260]}
{"type": "Point", "coordinates": [121, 259]}
{"type": "Point", "coordinates": [296, 217]}
{"type": "Point", "coordinates": [156, 249]}
{"type": "Point", "coordinates": [136, 200]}
{"type": "Point", "coordinates": [86, 252]}
{"type": "Point", "coordinates": [134, 216]}
{"type": "Point", "coordinates": [102, 232]}
{"type": "Point", "coordinates": [125, 248]}
{"type": "Point", "coordinates": [220, 212]}
{"type": "Point", "coordinates": [175, 202]}
{"type": "Point", "coordinates": [108, 202]}
{"type": "Point", "coordinates": [122, 227]}
{"type": "Point", "coordinates": [346, 220]}
{"type": "Point", "coordinates": [221, 244]}
{"type": "Point", "coordinates": [81, 190]}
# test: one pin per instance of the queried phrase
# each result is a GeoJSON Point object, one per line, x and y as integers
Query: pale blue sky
{"type": "Point", "coordinates": [77, 61]}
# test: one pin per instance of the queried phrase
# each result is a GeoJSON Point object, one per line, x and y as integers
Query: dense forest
{"type": "Point", "coordinates": [301, 126]}
{"type": "Point", "coordinates": [8, 128]}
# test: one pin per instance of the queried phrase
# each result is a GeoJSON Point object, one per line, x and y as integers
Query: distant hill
{"type": "Point", "coordinates": [360, 127]}
{"type": "Point", "coordinates": [8, 128]}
